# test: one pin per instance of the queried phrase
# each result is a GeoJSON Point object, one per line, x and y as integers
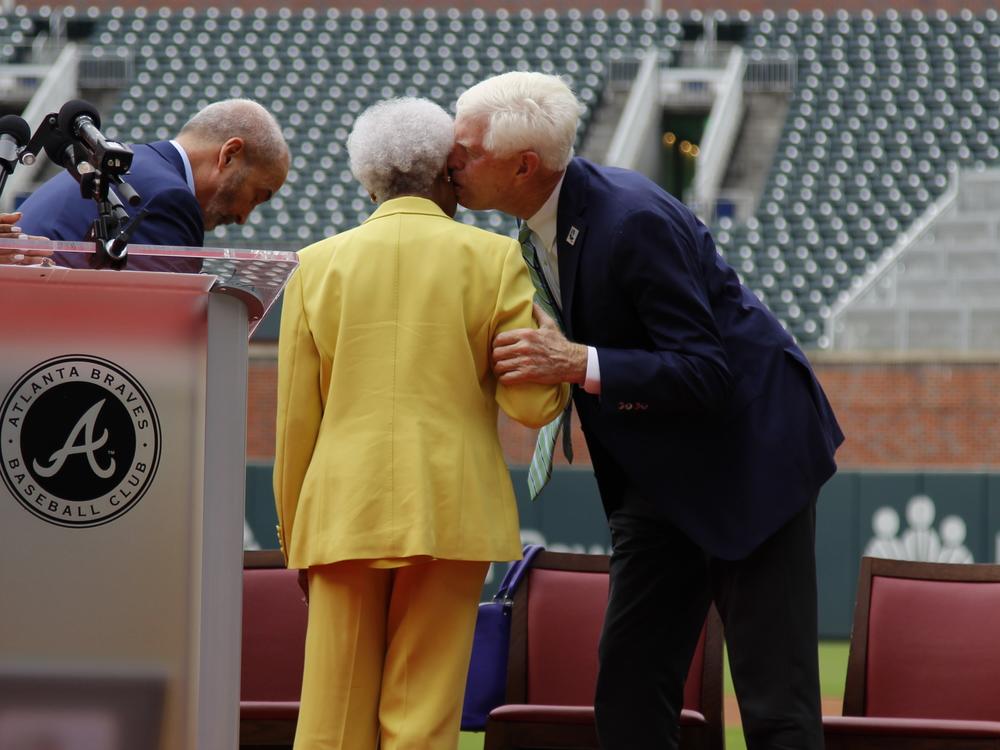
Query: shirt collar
{"type": "Point", "coordinates": [544, 223]}
{"type": "Point", "coordinates": [188, 174]}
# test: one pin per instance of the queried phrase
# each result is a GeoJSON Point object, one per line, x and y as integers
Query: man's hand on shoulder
{"type": "Point", "coordinates": [542, 355]}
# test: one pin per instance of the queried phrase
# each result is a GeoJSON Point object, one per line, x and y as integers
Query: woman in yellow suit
{"type": "Point", "coordinates": [390, 482]}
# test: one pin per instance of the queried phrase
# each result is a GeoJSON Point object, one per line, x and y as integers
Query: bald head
{"type": "Point", "coordinates": [239, 159]}
{"type": "Point", "coordinates": [238, 118]}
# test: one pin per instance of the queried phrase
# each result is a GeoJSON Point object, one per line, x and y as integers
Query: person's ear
{"type": "Point", "coordinates": [528, 164]}
{"type": "Point", "coordinates": [229, 151]}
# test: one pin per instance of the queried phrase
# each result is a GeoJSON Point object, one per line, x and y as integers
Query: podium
{"type": "Point", "coordinates": [123, 408]}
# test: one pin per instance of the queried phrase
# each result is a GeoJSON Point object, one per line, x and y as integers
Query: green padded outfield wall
{"type": "Point", "coordinates": [916, 515]}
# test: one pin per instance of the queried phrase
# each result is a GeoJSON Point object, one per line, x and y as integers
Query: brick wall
{"type": "Point", "coordinates": [913, 414]}
{"type": "Point", "coordinates": [262, 393]}
{"type": "Point", "coordinates": [897, 414]}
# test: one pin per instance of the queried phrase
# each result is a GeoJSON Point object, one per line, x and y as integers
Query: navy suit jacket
{"type": "Point", "coordinates": [707, 406]}
{"type": "Point", "coordinates": [56, 210]}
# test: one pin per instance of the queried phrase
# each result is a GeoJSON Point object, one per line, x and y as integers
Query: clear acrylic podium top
{"type": "Point", "coordinates": [254, 276]}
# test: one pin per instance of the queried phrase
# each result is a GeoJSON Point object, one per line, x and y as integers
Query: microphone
{"type": "Point", "coordinates": [63, 152]}
{"type": "Point", "coordinates": [59, 149]}
{"type": "Point", "coordinates": [14, 134]}
{"type": "Point", "coordinates": [80, 120]}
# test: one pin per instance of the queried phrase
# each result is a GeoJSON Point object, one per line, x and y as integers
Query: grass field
{"type": "Point", "coordinates": [832, 670]}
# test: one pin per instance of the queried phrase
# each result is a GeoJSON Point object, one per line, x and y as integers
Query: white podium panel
{"type": "Point", "coordinates": [122, 438]}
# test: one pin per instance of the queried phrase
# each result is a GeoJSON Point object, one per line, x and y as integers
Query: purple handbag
{"type": "Point", "coordinates": [487, 681]}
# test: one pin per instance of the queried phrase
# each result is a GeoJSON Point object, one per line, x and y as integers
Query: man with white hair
{"type": "Point", "coordinates": [227, 159]}
{"type": "Point", "coordinates": [709, 434]}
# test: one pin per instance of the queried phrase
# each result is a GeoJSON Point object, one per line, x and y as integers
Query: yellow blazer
{"type": "Point", "coordinates": [387, 441]}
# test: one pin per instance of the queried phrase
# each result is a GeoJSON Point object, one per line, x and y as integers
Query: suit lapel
{"type": "Point", "coordinates": [571, 234]}
{"type": "Point", "coordinates": [169, 154]}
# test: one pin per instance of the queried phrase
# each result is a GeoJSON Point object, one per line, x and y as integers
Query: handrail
{"type": "Point", "coordinates": [724, 123]}
{"type": "Point", "coordinates": [641, 110]}
{"type": "Point", "coordinates": [771, 71]}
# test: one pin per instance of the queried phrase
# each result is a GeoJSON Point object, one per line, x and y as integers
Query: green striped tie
{"type": "Point", "coordinates": [540, 468]}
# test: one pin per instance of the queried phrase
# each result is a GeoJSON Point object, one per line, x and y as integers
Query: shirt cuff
{"type": "Point", "coordinates": [592, 380]}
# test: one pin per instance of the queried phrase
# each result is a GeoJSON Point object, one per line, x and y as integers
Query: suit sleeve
{"type": "Point", "coordinates": [532, 405]}
{"type": "Point", "coordinates": [657, 262]}
{"type": "Point", "coordinates": [300, 408]}
{"type": "Point", "coordinates": [174, 219]}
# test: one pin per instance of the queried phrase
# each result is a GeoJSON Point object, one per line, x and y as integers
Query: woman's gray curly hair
{"type": "Point", "coordinates": [399, 146]}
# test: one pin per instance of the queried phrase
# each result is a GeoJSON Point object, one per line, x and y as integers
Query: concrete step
{"type": "Point", "coordinates": [951, 259]}
{"type": "Point", "coordinates": [754, 150]}
{"type": "Point", "coordinates": [979, 191]}
{"type": "Point", "coordinates": [944, 328]}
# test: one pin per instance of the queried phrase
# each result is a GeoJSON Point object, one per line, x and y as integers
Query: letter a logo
{"type": "Point", "coordinates": [82, 433]}
{"type": "Point", "coordinates": [85, 426]}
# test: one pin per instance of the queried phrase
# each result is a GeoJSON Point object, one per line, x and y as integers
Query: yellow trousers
{"type": "Point", "coordinates": [387, 654]}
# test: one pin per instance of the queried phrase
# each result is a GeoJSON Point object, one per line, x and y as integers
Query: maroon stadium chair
{"type": "Point", "coordinates": [552, 668]}
{"type": "Point", "coordinates": [274, 633]}
{"type": "Point", "coordinates": [924, 661]}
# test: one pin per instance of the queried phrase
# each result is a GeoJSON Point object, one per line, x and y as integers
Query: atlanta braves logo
{"type": "Point", "coordinates": [79, 441]}
{"type": "Point", "coordinates": [86, 425]}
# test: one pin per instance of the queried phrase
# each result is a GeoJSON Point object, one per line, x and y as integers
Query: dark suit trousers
{"type": "Point", "coordinates": [661, 588]}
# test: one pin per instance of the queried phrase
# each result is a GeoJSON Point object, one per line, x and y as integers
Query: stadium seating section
{"type": "Point", "coordinates": [882, 106]}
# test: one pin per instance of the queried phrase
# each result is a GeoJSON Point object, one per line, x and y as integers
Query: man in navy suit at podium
{"type": "Point", "coordinates": [709, 434]}
{"type": "Point", "coordinates": [227, 159]}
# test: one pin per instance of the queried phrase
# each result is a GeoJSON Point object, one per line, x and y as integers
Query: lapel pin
{"type": "Point", "coordinates": [573, 234]}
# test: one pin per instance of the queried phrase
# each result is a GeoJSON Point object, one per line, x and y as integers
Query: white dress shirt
{"type": "Point", "coordinates": [543, 228]}
{"type": "Point", "coordinates": [188, 173]}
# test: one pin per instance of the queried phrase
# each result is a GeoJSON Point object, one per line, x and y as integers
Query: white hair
{"type": "Point", "coordinates": [240, 118]}
{"type": "Point", "coordinates": [525, 111]}
{"type": "Point", "coordinates": [400, 146]}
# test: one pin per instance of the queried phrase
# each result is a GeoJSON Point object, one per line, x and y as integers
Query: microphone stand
{"type": "Point", "coordinates": [4, 174]}
{"type": "Point", "coordinates": [112, 230]}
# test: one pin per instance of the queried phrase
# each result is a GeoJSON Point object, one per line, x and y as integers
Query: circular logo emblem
{"type": "Point", "coordinates": [80, 441]}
